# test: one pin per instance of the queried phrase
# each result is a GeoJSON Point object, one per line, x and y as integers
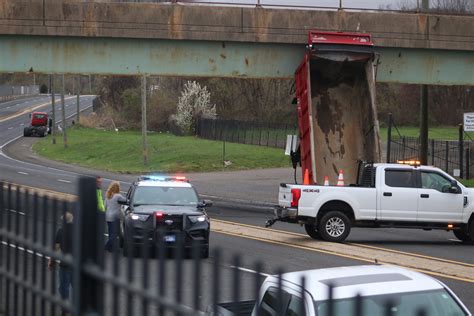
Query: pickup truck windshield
{"type": "Point", "coordinates": [436, 303]}
{"type": "Point", "coordinates": [164, 196]}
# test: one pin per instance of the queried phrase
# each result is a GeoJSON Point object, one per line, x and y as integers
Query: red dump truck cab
{"type": "Point", "coordinates": [39, 119]}
{"type": "Point", "coordinates": [337, 116]}
{"type": "Point", "coordinates": [39, 125]}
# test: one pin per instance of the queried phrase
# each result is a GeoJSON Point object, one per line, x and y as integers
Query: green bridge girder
{"type": "Point", "coordinates": [120, 56]}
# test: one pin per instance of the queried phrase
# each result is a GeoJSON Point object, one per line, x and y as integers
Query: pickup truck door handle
{"type": "Point", "coordinates": [425, 196]}
{"type": "Point", "coordinates": [387, 194]}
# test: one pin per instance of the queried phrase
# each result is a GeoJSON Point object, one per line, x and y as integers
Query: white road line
{"type": "Point", "coordinates": [23, 249]}
{"type": "Point", "coordinates": [65, 181]}
{"type": "Point", "coordinates": [456, 240]}
{"type": "Point", "coordinates": [24, 173]}
{"type": "Point", "coordinates": [249, 270]}
{"type": "Point", "coordinates": [11, 127]}
{"type": "Point", "coordinates": [17, 212]}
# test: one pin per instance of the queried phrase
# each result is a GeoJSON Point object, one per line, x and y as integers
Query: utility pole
{"type": "Point", "coordinates": [144, 126]}
{"type": "Point", "coordinates": [63, 110]}
{"type": "Point", "coordinates": [78, 91]}
{"type": "Point", "coordinates": [424, 110]}
{"type": "Point", "coordinates": [425, 5]}
{"type": "Point", "coordinates": [53, 106]}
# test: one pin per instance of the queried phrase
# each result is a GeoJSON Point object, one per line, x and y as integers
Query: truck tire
{"type": "Point", "coordinates": [205, 252]}
{"type": "Point", "coordinates": [462, 235]}
{"type": "Point", "coordinates": [334, 226]}
{"type": "Point", "coordinates": [26, 132]}
{"type": "Point", "coordinates": [312, 231]}
{"type": "Point", "coordinates": [470, 233]}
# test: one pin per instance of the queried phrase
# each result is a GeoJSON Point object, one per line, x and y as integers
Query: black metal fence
{"type": "Point", "coordinates": [252, 133]}
{"type": "Point", "coordinates": [444, 154]}
{"type": "Point", "coordinates": [107, 284]}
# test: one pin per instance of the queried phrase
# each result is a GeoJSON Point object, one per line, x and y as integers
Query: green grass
{"type": "Point", "coordinates": [468, 183]}
{"type": "Point", "coordinates": [442, 133]}
{"type": "Point", "coordinates": [122, 152]}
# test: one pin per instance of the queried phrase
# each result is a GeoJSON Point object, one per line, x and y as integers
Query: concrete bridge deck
{"type": "Point", "coordinates": [234, 39]}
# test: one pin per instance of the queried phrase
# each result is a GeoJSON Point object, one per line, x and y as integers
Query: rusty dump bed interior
{"type": "Point", "coordinates": [338, 125]}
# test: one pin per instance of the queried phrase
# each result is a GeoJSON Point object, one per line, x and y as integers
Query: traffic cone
{"type": "Point", "coordinates": [340, 179]}
{"type": "Point", "coordinates": [306, 177]}
{"type": "Point", "coordinates": [326, 180]}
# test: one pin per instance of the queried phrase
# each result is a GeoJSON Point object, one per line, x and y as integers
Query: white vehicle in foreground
{"type": "Point", "coordinates": [386, 195]}
{"type": "Point", "coordinates": [407, 292]}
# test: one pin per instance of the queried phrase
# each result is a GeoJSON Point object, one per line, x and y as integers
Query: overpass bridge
{"type": "Point", "coordinates": [67, 36]}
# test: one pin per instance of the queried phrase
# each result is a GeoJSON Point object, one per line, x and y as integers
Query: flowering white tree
{"type": "Point", "coordinates": [194, 102]}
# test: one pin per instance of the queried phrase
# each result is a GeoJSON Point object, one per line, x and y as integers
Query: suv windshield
{"type": "Point", "coordinates": [436, 303]}
{"type": "Point", "coordinates": [164, 196]}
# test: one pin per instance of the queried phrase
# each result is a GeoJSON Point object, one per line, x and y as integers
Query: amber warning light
{"type": "Point", "coordinates": [409, 162]}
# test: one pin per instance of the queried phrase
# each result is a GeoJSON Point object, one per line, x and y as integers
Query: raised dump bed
{"type": "Point", "coordinates": [337, 115]}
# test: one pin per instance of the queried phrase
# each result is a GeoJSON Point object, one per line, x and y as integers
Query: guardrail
{"type": "Point", "coordinates": [333, 5]}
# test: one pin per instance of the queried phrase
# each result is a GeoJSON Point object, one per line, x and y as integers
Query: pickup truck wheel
{"type": "Point", "coordinates": [334, 226]}
{"type": "Point", "coordinates": [470, 233]}
{"type": "Point", "coordinates": [312, 231]}
{"type": "Point", "coordinates": [461, 234]}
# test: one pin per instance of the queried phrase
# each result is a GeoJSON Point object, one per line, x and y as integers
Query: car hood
{"type": "Point", "coordinates": [167, 209]}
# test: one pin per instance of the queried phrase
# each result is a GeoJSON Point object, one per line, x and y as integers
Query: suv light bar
{"type": "Point", "coordinates": [162, 178]}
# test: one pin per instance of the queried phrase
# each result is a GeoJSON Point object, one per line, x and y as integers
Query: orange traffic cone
{"type": "Point", "coordinates": [326, 180]}
{"type": "Point", "coordinates": [306, 177]}
{"type": "Point", "coordinates": [340, 179]}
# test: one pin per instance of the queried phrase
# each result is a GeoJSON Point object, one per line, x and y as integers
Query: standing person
{"type": "Point", "coordinates": [63, 243]}
{"type": "Point", "coordinates": [100, 198]}
{"type": "Point", "coordinates": [112, 213]}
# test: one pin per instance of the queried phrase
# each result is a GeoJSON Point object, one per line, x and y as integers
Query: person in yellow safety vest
{"type": "Point", "coordinates": [100, 199]}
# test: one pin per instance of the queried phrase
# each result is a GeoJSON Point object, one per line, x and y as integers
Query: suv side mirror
{"type": "Point", "coordinates": [126, 202]}
{"type": "Point", "coordinates": [205, 203]}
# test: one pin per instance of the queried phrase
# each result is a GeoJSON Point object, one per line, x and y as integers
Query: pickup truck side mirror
{"type": "Point", "coordinates": [454, 187]}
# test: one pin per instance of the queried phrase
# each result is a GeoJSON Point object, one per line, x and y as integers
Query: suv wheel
{"type": "Point", "coordinates": [205, 252]}
{"type": "Point", "coordinates": [334, 226]}
{"type": "Point", "coordinates": [312, 231]}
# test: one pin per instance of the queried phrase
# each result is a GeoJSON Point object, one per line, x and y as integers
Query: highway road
{"type": "Point", "coordinates": [19, 165]}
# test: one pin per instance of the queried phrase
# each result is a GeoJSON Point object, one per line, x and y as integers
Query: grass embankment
{"type": "Point", "coordinates": [122, 152]}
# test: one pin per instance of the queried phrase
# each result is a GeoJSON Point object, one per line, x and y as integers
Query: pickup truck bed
{"type": "Point", "coordinates": [244, 308]}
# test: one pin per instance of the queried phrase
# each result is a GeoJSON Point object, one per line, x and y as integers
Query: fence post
{"type": "Point", "coordinates": [432, 152]}
{"type": "Point", "coordinates": [446, 157]}
{"type": "Point", "coordinates": [467, 163]}
{"type": "Point", "coordinates": [389, 136]}
{"type": "Point", "coordinates": [461, 150]}
{"type": "Point", "coordinates": [88, 246]}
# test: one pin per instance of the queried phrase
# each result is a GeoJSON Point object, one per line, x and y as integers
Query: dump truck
{"type": "Point", "coordinates": [39, 125]}
{"type": "Point", "coordinates": [335, 96]}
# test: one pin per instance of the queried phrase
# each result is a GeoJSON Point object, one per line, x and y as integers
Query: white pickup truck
{"type": "Point", "coordinates": [386, 195]}
{"type": "Point", "coordinates": [383, 290]}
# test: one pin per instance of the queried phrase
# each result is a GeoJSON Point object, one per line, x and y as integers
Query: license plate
{"type": "Point", "coordinates": [170, 238]}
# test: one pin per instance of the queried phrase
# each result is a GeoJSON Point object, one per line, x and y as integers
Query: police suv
{"type": "Point", "coordinates": [167, 211]}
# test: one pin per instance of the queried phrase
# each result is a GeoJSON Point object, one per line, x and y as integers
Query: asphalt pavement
{"type": "Point", "coordinates": [248, 188]}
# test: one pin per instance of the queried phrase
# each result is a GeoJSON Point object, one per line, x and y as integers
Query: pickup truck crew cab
{"type": "Point", "coordinates": [386, 195]}
{"type": "Point", "coordinates": [377, 285]}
